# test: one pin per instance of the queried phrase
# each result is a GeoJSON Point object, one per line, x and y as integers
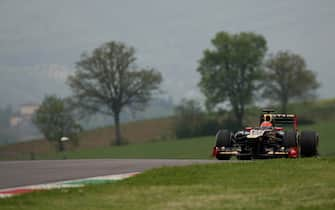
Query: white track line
{"type": "Point", "coordinates": [4, 193]}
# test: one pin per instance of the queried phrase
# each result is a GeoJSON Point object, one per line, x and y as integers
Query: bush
{"type": "Point", "coordinates": [191, 121]}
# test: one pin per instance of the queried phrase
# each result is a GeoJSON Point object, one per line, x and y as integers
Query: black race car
{"type": "Point", "coordinates": [269, 140]}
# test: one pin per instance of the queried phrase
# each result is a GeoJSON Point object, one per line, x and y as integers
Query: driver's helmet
{"type": "Point", "coordinates": [266, 124]}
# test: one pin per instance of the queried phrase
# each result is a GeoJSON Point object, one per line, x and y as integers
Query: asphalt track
{"type": "Point", "coordinates": [22, 173]}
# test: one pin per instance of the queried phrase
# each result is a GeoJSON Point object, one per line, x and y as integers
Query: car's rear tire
{"type": "Point", "coordinates": [309, 141]}
{"type": "Point", "coordinates": [223, 139]}
{"type": "Point", "coordinates": [290, 139]}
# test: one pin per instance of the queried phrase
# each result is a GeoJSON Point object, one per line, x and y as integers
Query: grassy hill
{"type": "Point", "coordinates": [322, 113]}
{"type": "Point", "coordinates": [302, 184]}
{"type": "Point", "coordinates": [133, 132]}
{"type": "Point", "coordinates": [193, 148]}
{"type": "Point", "coordinates": [155, 138]}
{"type": "Point", "coordinates": [310, 111]}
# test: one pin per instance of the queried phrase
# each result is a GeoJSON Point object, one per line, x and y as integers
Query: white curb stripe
{"type": "Point", "coordinates": [5, 193]}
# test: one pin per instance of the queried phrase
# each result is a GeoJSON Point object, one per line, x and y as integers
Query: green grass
{"type": "Point", "coordinates": [302, 184]}
{"type": "Point", "coordinates": [194, 148]}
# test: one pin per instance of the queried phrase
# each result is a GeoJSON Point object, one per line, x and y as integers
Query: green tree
{"type": "Point", "coordinates": [231, 71]}
{"type": "Point", "coordinates": [54, 120]}
{"type": "Point", "coordinates": [288, 78]}
{"type": "Point", "coordinates": [108, 81]}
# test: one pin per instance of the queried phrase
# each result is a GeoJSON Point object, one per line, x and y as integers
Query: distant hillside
{"type": "Point", "coordinates": [132, 132]}
{"type": "Point", "coordinates": [308, 112]}
{"type": "Point", "coordinates": [319, 110]}
{"type": "Point", "coordinates": [317, 115]}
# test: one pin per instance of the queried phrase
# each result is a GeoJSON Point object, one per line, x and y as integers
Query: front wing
{"type": "Point", "coordinates": [286, 153]}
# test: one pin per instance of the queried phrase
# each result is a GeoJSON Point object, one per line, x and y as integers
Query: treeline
{"type": "Point", "coordinates": [235, 72]}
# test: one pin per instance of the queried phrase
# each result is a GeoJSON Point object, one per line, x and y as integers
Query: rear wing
{"type": "Point", "coordinates": [280, 119]}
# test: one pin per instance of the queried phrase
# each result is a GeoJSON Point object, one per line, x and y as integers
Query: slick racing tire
{"type": "Point", "coordinates": [309, 141]}
{"type": "Point", "coordinates": [290, 139]}
{"type": "Point", "coordinates": [223, 139]}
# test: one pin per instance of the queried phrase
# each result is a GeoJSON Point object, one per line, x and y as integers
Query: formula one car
{"type": "Point", "coordinates": [268, 140]}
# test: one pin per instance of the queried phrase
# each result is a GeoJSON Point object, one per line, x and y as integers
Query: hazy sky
{"type": "Point", "coordinates": [168, 35]}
